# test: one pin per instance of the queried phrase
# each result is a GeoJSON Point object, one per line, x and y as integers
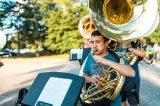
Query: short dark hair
{"type": "Point", "coordinates": [97, 33]}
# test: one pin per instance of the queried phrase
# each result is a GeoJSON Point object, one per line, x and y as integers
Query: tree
{"type": "Point", "coordinates": [33, 29]}
{"type": "Point", "coordinates": [25, 20]}
{"type": "Point", "coordinates": [7, 9]}
{"type": "Point", "coordinates": [62, 22]}
{"type": "Point", "coordinates": [10, 16]}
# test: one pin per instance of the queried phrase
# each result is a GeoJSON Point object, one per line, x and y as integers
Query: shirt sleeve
{"type": "Point", "coordinates": [82, 68]}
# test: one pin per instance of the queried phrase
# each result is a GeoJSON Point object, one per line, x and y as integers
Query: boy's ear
{"type": "Point", "coordinates": [107, 43]}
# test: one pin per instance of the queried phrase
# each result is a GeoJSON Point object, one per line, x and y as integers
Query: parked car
{"type": "Point", "coordinates": [22, 51]}
{"type": "Point", "coordinates": [7, 53]}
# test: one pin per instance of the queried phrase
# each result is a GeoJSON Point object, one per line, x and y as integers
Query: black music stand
{"type": "Point", "coordinates": [38, 86]}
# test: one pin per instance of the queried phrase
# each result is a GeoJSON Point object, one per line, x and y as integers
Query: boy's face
{"type": "Point", "coordinates": [99, 45]}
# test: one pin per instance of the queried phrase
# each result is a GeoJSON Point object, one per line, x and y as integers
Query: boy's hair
{"type": "Point", "coordinates": [97, 33]}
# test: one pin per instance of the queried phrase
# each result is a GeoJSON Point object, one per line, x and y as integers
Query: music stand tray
{"type": "Point", "coordinates": [54, 89]}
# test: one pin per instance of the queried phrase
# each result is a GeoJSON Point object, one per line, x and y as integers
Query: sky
{"type": "Point", "coordinates": [81, 1]}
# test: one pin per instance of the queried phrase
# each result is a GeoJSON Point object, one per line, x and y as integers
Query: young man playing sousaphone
{"type": "Point", "coordinates": [92, 71]}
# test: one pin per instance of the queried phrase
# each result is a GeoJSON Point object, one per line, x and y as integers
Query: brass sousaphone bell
{"type": "Point", "coordinates": [86, 26]}
{"type": "Point", "coordinates": [120, 21]}
{"type": "Point", "coordinates": [125, 20]}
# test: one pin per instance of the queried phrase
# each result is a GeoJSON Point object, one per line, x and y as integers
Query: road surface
{"type": "Point", "coordinates": [20, 73]}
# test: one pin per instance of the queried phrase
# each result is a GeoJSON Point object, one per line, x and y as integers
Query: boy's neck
{"type": "Point", "coordinates": [104, 53]}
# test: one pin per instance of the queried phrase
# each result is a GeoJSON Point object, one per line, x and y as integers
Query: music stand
{"type": "Point", "coordinates": [48, 83]}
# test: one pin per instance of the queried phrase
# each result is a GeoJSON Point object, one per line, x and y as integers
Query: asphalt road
{"type": "Point", "coordinates": [150, 84]}
{"type": "Point", "coordinates": [20, 73]}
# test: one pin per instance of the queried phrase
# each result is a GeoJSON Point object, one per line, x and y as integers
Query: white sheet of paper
{"type": "Point", "coordinates": [55, 91]}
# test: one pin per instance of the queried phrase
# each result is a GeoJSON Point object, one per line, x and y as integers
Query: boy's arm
{"type": "Point", "coordinates": [139, 53]}
{"type": "Point", "coordinates": [123, 69]}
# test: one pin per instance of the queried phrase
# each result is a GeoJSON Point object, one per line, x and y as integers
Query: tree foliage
{"type": "Point", "coordinates": [62, 21]}
{"type": "Point", "coordinates": [50, 24]}
{"type": "Point", "coordinates": [33, 31]}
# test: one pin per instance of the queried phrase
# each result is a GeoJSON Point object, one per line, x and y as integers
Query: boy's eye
{"type": "Point", "coordinates": [97, 41]}
{"type": "Point", "coordinates": [91, 42]}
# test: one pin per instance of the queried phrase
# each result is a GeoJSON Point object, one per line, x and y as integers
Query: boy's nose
{"type": "Point", "coordinates": [94, 45]}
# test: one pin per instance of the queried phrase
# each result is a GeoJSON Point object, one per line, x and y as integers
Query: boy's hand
{"type": "Point", "coordinates": [95, 79]}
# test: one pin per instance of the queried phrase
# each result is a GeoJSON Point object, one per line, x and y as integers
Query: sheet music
{"type": "Point", "coordinates": [55, 91]}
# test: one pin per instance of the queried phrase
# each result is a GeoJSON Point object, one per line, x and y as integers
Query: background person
{"type": "Point", "coordinates": [131, 87]}
{"type": "Point", "coordinates": [156, 49]}
{"type": "Point", "coordinates": [86, 46]}
{"type": "Point", "coordinates": [150, 53]}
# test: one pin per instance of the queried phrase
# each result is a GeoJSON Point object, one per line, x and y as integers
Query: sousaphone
{"type": "Point", "coordinates": [86, 26]}
{"type": "Point", "coordinates": [2, 39]}
{"type": "Point", "coordinates": [125, 20]}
